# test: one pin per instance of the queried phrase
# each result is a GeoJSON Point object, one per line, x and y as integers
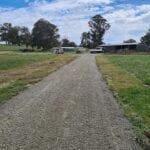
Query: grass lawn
{"type": "Point", "coordinates": [13, 60]}
{"type": "Point", "coordinates": [19, 70]}
{"type": "Point", "coordinates": [129, 78]}
{"type": "Point", "coordinates": [10, 47]}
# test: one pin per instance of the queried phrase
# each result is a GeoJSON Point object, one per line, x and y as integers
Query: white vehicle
{"type": "Point", "coordinates": [97, 50]}
{"type": "Point", "coordinates": [58, 50]}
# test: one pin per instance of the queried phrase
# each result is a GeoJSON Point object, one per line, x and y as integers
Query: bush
{"type": "Point", "coordinates": [27, 50]}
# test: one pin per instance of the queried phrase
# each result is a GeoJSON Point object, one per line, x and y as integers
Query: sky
{"type": "Point", "coordinates": [128, 18]}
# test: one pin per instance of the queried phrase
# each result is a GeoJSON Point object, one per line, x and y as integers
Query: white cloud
{"type": "Point", "coordinates": [95, 1]}
{"type": "Point", "coordinates": [128, 22]}
{"type": "Point", "coordinates": [72, 17]}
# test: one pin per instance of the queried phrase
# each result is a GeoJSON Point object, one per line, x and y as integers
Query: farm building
{"type": "Point", "coordinates": [125, 48]}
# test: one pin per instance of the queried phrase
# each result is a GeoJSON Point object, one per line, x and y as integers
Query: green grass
{"type": "Point", "coordinates": [128, 77]}
{"type": "Point", "coordinates": [138, 65]}
{"type": "Point", "coordinates": [11, 48]}
{"type": "Point", "coordinates": [19, 70]}
{"type": "Point", "coordinates": [17, 60]}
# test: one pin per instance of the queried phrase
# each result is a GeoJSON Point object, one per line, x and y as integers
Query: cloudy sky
{"type": "Point", "coordinates": [128, 18]}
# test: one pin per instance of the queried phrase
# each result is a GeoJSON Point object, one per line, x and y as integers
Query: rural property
{"type": "Point", "coordinates": [74, 75]}
{"type": "Point", "coordinates": [72, 108]}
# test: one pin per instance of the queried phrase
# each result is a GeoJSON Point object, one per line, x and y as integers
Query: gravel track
{"type": "Point", "coordinates": [71, 109]}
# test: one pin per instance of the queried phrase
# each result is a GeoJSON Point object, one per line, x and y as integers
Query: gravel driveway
{"type": "Point", "coordinates": [71, 109]}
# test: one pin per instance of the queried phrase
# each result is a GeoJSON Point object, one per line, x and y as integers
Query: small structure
{"type": "Point", "coordinates": [124, 48]}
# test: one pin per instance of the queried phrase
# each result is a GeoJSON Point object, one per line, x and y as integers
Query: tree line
{"type": "Point", "coordinates": [144, 39]}
{"type": "Point", "coordinates": [44, 35]}
{"type": "Point", "coordinates": [14, 35]}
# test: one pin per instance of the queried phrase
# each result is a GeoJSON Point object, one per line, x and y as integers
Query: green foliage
{"type": "Point", "coordinates": [146, 38]}
{"type": "Point", "coordinates": [130, 41]}
{"type": "Point", "coordinates": [86, 40]}
{"type": "Point", "coordinates": [45, 35]}
{"type": "Point", "coordinates": [4, 30]}
{"type": "Point", "coordinates": [15, 35]}
{"type": "Point", "coordinates": [99, 26]}
{"type": "Point", "coordinates": [67, 43]}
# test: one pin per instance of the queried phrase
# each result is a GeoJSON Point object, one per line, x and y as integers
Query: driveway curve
{"type": "Point", "coordinates": [71, 109]}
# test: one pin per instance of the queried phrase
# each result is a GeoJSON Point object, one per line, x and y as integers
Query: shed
{"type": "Point", "coordinates": [125, 48]}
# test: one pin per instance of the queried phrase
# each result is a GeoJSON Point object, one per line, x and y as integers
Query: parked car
{"type": "Point", "coordinates": [77, 50]}
{"type": "Point", "coordinates": [58, 50]}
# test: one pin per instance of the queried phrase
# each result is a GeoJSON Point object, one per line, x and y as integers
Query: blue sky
{"type": "Point", "coordinates": [128, 18]}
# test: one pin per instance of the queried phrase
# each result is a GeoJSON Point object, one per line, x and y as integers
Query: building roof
{"type": "Point", "coordinates": [121, 44]}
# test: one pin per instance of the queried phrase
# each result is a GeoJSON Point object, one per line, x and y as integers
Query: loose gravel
{"type": "Point", "coordinates": [71, 109]}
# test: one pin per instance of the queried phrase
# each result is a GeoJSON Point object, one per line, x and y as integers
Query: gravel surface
{"type": "Point", "coordinates": [71, 109]}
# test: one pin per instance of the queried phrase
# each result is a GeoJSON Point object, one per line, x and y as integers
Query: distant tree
{"type": "Point", "coordinates": [4, 30]}
{"type": "Point", "coordinates": [73, 44]}
{"type": "Point", "coordinates": [25, 36]}
{"type": "Point", "coordinates": [99, 26]}
{"type": "Point", "coordinates": [146, 38]}
{"type": "Point", "coordinates": [67, 43]}
{"type": "Point", "coordinates": [45, 34]}
{"type": "Point", "coordinates": [13, 35]}
{"type": "Point", "coordinates": [130, 41]}
{"type": "Point", "coordinates": [86, 40]}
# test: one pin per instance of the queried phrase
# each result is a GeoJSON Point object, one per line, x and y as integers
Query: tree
{"type": "Point", "coordinates": [86, 40]}
{"type": "Point", "coordinates": [4, 30]}
{"type": "Point", "coordinates": [44, 34]}
{"type": "Point", "coordinates": [25, 36]}
{"type": "Point", "coordinates": [146, 38]}
{"type": "Point", "coordinates": [73, 44]}
{"type": "Point", "coordinates": [13, 35]}
{"type": "Point", "coordinates": [130, 41]}
{"type": "Point", "coordinates": [67, 43]}
{"type": "Point", "coordinates": [99, 26]}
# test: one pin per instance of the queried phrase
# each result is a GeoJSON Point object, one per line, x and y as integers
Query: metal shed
{"type": "Point", "coordinates": [125, 48]}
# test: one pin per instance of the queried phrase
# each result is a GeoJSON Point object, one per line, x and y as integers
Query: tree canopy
{"type": "Point", "coordinates": [86, 40]}
{"type": "Point", "coordinates": [67, 43]}
{"type": "Point", "coordinates": [45, 34]}
{"type": "Point", "coordinates": [130, 41]}
{"type": "Point", "coordinates": [146, 38]}
{"type": "Point", "coordinates": [98, 26]}
{"type": "Point", "coordinates": [15, 35]}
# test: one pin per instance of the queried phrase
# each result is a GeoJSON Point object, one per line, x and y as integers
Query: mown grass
{"type": "Point", "coordinates": [15, 60]}
{"type": "Point", "coordinates": [18, 71]}
{"type": "Point", "coordinates": [11, 48]}
{"type": "Point", "coordinates": [128, 77]}
{"type": "Point", "coordinates": [139, 65]}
